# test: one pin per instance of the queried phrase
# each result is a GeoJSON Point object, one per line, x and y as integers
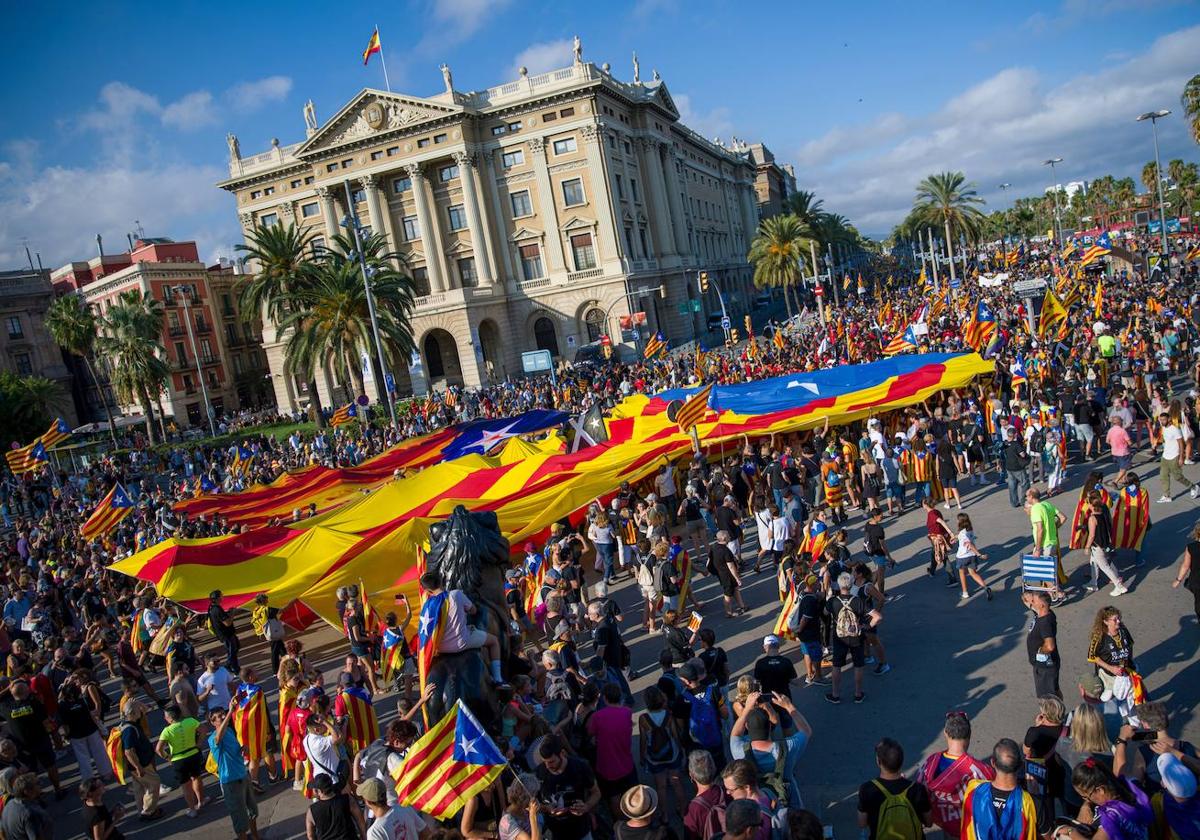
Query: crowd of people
{"type": "Point", "coordinates": [90, 657]}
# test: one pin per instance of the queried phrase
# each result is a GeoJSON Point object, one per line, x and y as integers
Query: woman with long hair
{"type": "Point", "coordinates": [1188, 574]}
{"type": "Point", "coordinates": [967, 556]}
{"type": "Point", "coordinates": [1110, 647]}
{"type": "Point", "coordinates": [1180, 419]}
{"type": "Point", "coordinates": [1116, 809]}
{"type": "Point", "coordinates": [947, 472]}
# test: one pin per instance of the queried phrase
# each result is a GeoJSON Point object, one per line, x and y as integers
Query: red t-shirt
{"type": "Point", "coordinates": [932, 518]}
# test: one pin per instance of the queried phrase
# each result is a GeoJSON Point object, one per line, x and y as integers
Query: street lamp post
{"type": "Point", "coordinates": [185, 294]}
{"type": "Point", "coordinates": [1054, 177]}
{"type": "Point", "coordinates": [351, 221]}
{"type": "Point", "coordinates": [1003, 234]}
{"type": "Point", "coordinates": [1154, 117]}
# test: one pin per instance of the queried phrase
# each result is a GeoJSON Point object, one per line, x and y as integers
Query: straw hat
{"type": "Point", "coordinates": [639, 802]}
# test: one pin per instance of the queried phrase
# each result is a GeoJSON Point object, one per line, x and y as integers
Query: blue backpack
{"type": "Point", "coordinates": [703, 723]}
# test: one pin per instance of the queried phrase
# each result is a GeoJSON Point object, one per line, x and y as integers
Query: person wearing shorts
{"type": "Point", "coordinates": [458, 635]}
{"type": "Point", "coordinates": [843, 648]}
{"type": "Point", "coordinates": [179, 743]}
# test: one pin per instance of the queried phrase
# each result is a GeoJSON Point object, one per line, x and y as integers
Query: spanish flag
{"type": "Point", "coordinates": [373, 46]}
{"type": "Point", "coordinates": [250, 722]}
{"type": "Point", "coordinates": [114, 507]}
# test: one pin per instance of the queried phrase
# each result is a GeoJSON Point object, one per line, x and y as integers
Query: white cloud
{"type": "Point", "coordinates": [1000, 130]}
{"type": "Point", "coordinates": [192, 111]}
{"type": "Point", "coordinates": [717, 122]}
{"type": "Point", "coordinates": [455, 21]}
{"type": "Point", "coordinates": [250, 96]}
{"type": "Point", "coordinates": [543, 56]}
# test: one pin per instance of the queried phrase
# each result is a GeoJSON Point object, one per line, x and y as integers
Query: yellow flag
{"type": "Point", "coordinates": [1053, 312]}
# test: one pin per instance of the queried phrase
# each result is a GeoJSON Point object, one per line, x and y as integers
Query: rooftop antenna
{"type": "Point", "coordinates": [137, 225]}
{"type": "Point", "coordinates": [39, 259]}
{"type": "Point", "coordinates": [25, 242]}
{"type": "Point", "coordinates": [129, 237]}
{"type": "Point", "coordinates": [100, 245]}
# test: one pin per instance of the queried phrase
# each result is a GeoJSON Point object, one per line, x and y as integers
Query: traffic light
{"type": "Point", "coordinates": [733, 335]}
{"type": "Point", "coordinates": [607, 351]}
{"type": "Point", "coordinates": [703, 282]}
{"type": "Point", "coordinates": [749, 326]}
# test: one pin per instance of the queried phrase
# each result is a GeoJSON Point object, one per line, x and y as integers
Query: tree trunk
{"type": "Point", "coordinates": [112, 432]}
{"type": "Point", "coordinates": [314, 404]}
{"type": "Point", "coordinates": [148, 412]}
{"type": "Point", "coordinates": [787, 300]}
{"type": "Point", "coordinates": [949, 248]}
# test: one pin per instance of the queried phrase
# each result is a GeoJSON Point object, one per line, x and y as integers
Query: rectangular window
{"type": "Point", "coordinates": [412, 231]}
{"type": "Point", "coordinates": [331, 167]}
{"type": "Point", "coordinates": [458, 217]}
{"type": "Point", "coordinates": [439, 138]}
{"type": "Point", "coordinates": [549, 116]}
{"type": "Point", "coordinates": [14, 327]}
{"type": "Point", "coordinates": [309, 210]}
{"type": "Point", "coordinates": [420, 278]}
{"type": "Point", "coordinates": [466, 273]}
{"type": "Point", "coordinates": [514, 158]}
{"type": "Point", "coordinates": [572, 192]}
{"type": "Point", "coordinates": [629, 243]}
{"type": "Point", "coordinates": [309, 179]}
{"type": "Point", "coordinates": [620, 187]}
{"type": "Point", "coordinates": [255, 194]}
{"type": "Point", "coordinates": [567, 112]}
{"type": "Point", "coordinates": [318, 243]}
{"type": "Point", "coordinates": [188, 387]}
{"type": "Point", "coordinates": [180, 353]}
{"type": "Point", "coordinates": [296, 184]}
{"type": "Point", "coordinates": [400, 185]}
{"type": "Point", "coordinates": [376, 155]}
{"type": "Point", "coordinates": [531, 262]}
{"type": "Point", "coordinates": [423, 142]}
{"type": "Point", "coordinates": [564, 146]}
{"type": "Point", "coordinates": [231, 333]}
{"type": "Point", "coordinates": [393, 151]}
{"type": "Point", "coordinates": [448, 173]}
{"type": "Point", "coordinates": [269, 191]}
{"type": "Point", "coordinates": [497, 130]}
{"type": "Point", "coordinates": [268, 219]}
{"type": "Point", "coordinates": [238, 366]}
{"type": "Point", "coordinates": [633, 189]}
{"type": "Point", "coordinates": [585, 254]}
{"type": "Point", "coordinates": [628, 150]}
{"type": "Point", "coordinates": [24, 364]}
{"type": "Point", "coordinates": [206, 352]}
{"type": "Point", "coordinates": [521, 205]}
{"type": "Point", "coordinates": [347, 163]}
{"type": "Point", "coordinates": [227, 304]}
{"type": "Point", "coordinates": [645, 247]}
{"type": "Point", "coordinates": [514, 126]}
{"type": "Point", "coordinates": [173, 321]}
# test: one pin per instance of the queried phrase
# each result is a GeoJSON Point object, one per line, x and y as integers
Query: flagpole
{"type": "Point", "coordinates": [383, 62]}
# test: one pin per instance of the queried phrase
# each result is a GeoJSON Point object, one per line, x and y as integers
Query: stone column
{"type": "Point", "coordinates": [479, 233]}
{"type": "Point", "coordinates": [328, 213]}
{"type": "Point", "coordinates": [660, 217]}
{"type": "Point", "coordinates": [547, 205]}
{"type": "Point", "coordinates": [600, 189]}
{"type": "Point", "coordinates": [674, 200]}
{"type": "Point", "coordinates": [749, 214]}
{"type": "Point", "coordinates": [379, 218]}
{"type": "Point", "coordinates": [498, 215]}
{"type": "Point", "coordinates": [429, 238]}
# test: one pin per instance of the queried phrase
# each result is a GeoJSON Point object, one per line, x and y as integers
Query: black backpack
{"type": "Point", "coordinates": [660, 746]}
{"type": "Point", "coordinates": [1038, 439]}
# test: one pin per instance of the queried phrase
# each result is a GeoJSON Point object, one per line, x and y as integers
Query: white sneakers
{"type": "Point", "coordinates": [1162, 500]}
{"type": "Point", "coordinates": [1195, 491]}
{"type": "Point", "coordinates": [1119, 589]}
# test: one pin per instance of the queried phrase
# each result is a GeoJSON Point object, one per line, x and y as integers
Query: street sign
{"type": "Point", "coordinates": [389, 382]}
{"type": "Point", "coordinates": [570, 341]}
{"type": "Point", "coordinates": [819, 291]}
{"type": "Point", "coordinates": [725, 323]}
{"type": "Point", "coordinates": [683, 308]}
{"type": "Point", "coordinates": [1030, 287]}
{"type": "Point", "coordinates": [955, 283]}
{"type": "Point", "coordinates": [695, 305]}
{"type": "Point", "coordinates": [536, 361]}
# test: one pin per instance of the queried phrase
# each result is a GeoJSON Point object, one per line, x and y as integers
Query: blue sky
{"type": "Point", "coordinates": [120, 114]}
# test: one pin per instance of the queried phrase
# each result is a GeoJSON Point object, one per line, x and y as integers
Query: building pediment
{"type": "Point", "coordinates": [524, 233]}
{"type": "Point", "coordinates": [458, 248]}
{"type": "Point", "coordinates": [576, 223]}
{"type": "Point", "coordinates": [659, 95]}
{"type": "Point", "coordinates": [374, 112]}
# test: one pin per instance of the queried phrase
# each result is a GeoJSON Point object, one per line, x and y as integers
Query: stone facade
{"type": "Point", "coordinates": [26, 348]}
{"type": "Point", "coordinates": [531, 215]}
{"type": "Point", "coordinates": [774, 183]}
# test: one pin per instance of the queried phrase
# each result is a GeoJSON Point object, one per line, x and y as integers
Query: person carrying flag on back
{"type": "Point", "coordinates": [253, 728]}
{"type": "Point", "coordinates": [353, 707]}
{"type": "Point", "coordinates": [456, 632]}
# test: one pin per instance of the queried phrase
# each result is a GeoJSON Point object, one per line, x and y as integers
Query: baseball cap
{"type": "Point", "coordinates": [770, 640]}
{"type": "Point", "coordinates": [1091, 684]}
{"type": "Point", "coordinates": [372, 790]}
{"type": "Point", "coordinates": [1177, 780]}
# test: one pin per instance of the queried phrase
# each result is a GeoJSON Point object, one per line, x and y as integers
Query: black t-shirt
{"type": "Point", "coordinates": [515, 602]}
{"type": "Point", "coordinates": [217, 617]}
{"type": "Point", "coordinates": [810, 608]}
{"type": "Point", "coordinates": [77, 717]}
{"type": "Point", "coordinates": [574, 784]}
{"type": "Point", "coordinates": [727, 520]}
{"type": "Point", "coordinates": [571, 575]}
{"type": "Point", "coordinates": [99, 815]}
{"type": "Point", "coordinates": [25, 719]}
{"type": "Point", "coordinates": [870, 799]}
{"type": "Point", "coordinates": [607, 636]}
{"type": "Point", "coordinates": [775, 673]}
{"type": "Point", "coordinates": [873, 534]}
{"type": "Point", "coordinates": [333, 818]}
{"type": "Point", "coordinates": [654, 831]}
{"type": "Point", "coordinates": [1041, 739]}
{"type": "Point", "coordinates": [1042, 628]}
{"type": "Point", "coordinates": [716, 664]}
{"type": "Point", "coordinates": [858, 606]}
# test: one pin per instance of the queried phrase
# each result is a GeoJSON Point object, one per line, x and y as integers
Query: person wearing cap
{"type": "Point", "coordinates": [1177, 804]}
{"type": "Point", "coordinates": [639, 805]}
{"type": "Point", "coordinates": [389, 822]}
{"type": "Point", "coordinates": [334, 814]}
{"type": "Point", "coordinates": [774, 673]}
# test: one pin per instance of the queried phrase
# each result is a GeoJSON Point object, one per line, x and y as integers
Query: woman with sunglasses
{"type": "Point", "coordinates": [1113, 808]}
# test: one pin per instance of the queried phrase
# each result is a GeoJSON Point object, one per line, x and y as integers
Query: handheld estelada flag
{"type": "Point", "coordinates": [114, 507]}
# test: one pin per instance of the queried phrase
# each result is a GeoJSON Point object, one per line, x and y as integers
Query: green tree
{"type": "Point", "coordinates": [130, 341]}
{"type": "Point", "coordinates": [1150, 178]}
{"type": "Point", "coordinates": [946, 198]}
{"type": "Point", "coordinates": [1124, 196]}
{"type": "Point", "coordinates": [28, 404]}
{"type": "Point", "coordinates": [72, 324]}
{"type": "Point", "coordinates": [1191, 104]}
{"type": "Point", "coordinates": [806, 207]}
{"type": "Point", "coordinates": [779, 249]}
{"type": "Point", "coordinates": [1185, 178]}
{"type": "Point", "coordinates": [329, 320]}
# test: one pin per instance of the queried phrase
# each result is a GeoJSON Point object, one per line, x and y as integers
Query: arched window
{"type": "Point", "coordinates": [436, 369]}
{"type": "Point", "coordinates": [594, 321]}
{"type": "Point", "coordinates": [544, 336]}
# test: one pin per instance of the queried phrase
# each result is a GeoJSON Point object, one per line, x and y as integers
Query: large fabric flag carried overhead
{"type": "Point", "coordinates": [448, 765]}
{"type": "Point", "coordinates": [58, 432]}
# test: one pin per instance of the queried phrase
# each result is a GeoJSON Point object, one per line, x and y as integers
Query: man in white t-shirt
{"type": "Point", "coordinates": [321, 740]}
{"type": "Point", "coordinates": [1172, 454]}
{"type": "Point", "coordinates": [878, 442]}
{"type": "Point", "coordinates": [390, 822]}
{"type": "Point", "coordinates": [214, 687]}
{"type": "Point", "coordinates": [458, 634]}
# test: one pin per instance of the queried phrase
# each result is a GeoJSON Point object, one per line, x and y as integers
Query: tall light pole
{"type": "Point", "coordinates": [1154, 117]}
{"type": "Point", "coordinates": [1003, 236]}
{"type": "Point", "coordinates": [1054, 177]}
{"type": "Point", "coordinates": [185, 293]}
{"type": "Point", "coordinates": [351, 221]}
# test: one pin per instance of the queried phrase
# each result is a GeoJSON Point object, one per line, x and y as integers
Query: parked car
{"type": "Point", "coordinates": [589, 353]}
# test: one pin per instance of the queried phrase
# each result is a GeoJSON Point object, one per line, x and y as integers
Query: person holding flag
{"type": "Point", "coordinates": [354, 710]}
{"type": "Point", "coordinates": [445, 627]}
{"type": "Point", "coordinates": [252, 725]}
{"type": "Point", "coordinates": [395, 655]}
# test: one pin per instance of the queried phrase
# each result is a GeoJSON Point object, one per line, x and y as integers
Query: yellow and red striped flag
{"type": "Point", "coordinates": [25, 458]}
{"type": "Point", "coordinates": [362, 726]}
{"type": "Point", "coordinates": [116, 753]}
{"type": "Point", "coordinates": [693, 411]}
{"type": "Point", "coordinates": [1098, 299]}
{"type": "Point", "coordinates": [373, 46]}
{"type": "Point", "coordinates": [429, 632]}
{"type": "Point", "coordinates": [343, 415]}
{"type": "Point", "coordinates": [700, 366]}
{"type": "Point", "coordinates": [114, 507]}
{"type": "Point", "coordinates": [777, 339]}
{"type": "Point", "coordinates": [448, 765]}
{"type": "Point", "coordinates": [392, 654]}
{"type": "Point", "coordinates": [56, 434]}
{"type": "Point", "coordinates": [656, 345]}
{"type": "Point", "coordinates": [250, 722]}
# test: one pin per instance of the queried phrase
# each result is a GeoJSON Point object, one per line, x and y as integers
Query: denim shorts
{"type": "Point", "coordinates": [812, 650]}
{"type": "Point", "coordinates": [879, 560]}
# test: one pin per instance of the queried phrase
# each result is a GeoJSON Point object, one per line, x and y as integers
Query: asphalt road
{"type": "Point", "coordinates": [945, 655]}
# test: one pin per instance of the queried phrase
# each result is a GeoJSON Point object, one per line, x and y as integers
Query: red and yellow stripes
{"type": "Point", "coordinates": [250, 722]}
{"type": "Point", "coordinates": [362, 727]}
{"type": "Point", "coordinates": [432, 780]}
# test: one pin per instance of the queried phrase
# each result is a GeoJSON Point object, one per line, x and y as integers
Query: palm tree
{"type": "Point", "coordinates": [130, 340]}
{"type": "Point", "coordinates": [946, 197]}
{"type": "Point", "coordinates": [780, 247]}
{"type": "Point", "coordinates": [1150, 177]}
{"type": "Point", "coordinates": [1184, 178]}
{"type": "Point", "coordinates": [1191, 104]}
{"type": "Point", "coordinates": [330, 321]}
{"type": "Point", "coordinates": [806, 207]}
{"type": "Point", "coordinates": [1123, 194]}
{"type": "Point", "coordinates": [27, 405]}
{"type": "Point", "coordinates": [284, 255]}
{"type": "Point", "coordinates": [72, 325]}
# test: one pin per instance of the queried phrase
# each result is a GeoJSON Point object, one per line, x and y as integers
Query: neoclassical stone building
{"type": "Point", "coordinates": [532, 215]}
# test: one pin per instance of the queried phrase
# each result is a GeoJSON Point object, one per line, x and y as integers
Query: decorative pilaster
{"type": "Point", "coordinates": [328, 213]}
{"type": "Point", "coordinates": [675, 201]}
{"type": "Point", "coordinates": [601, 190]}
{"type": "Point", "coordinates": [429, 237]}
{"type": "Point", "coordinates": [660, 218]}
{"type": "Point", "coordinates": [547, 205]}
{"type": "Point", "coordinates": [479, 233]}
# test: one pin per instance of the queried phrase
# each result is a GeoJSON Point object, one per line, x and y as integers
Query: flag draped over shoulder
{"type": "Point", "coordinates": [429, 632]}
{"type": "Point", "coordinates": [362, 726]}
{"type": "Point", "coordinates": [114, 507]}
{"type": "Point", "coordinates": [1017, 820]}
{"type": "Point", "coordinates": [250, 722]}
{"type": "Point", "coordinates": [448, 765]}
{"type": "Point", "coordinates": [391, 654]}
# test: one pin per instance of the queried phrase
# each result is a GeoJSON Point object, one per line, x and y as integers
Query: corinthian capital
{"type": "Point", "coordinates": [247, 219]}
{"type": "Point", "coordinates": [324, 193]}
{"type": "Point", "coordinates": [537, 145]}
{"type": "Point", "coordinates": [591, 133]}
{"type": "Point", "coordinates": [464, 160]}
{"type": "Point", "coordinates": [369, 182]}
{"type": "Point", "coordinates": [414, 171]}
